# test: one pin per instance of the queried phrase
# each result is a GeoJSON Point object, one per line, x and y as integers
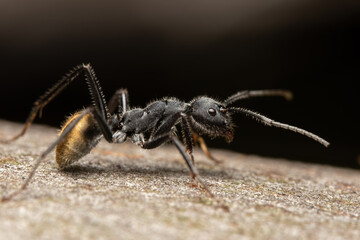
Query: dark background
{"type": "Point", "coordinates": [189, 48]}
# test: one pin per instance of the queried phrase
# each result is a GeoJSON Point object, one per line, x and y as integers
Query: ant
{"type": "Point", "coordinates": [147, 127]}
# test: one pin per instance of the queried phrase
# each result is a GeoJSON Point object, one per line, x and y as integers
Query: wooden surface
{"type": "Point", "coordinates": [123, 192]}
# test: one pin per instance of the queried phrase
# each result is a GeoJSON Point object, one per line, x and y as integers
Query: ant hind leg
{"type": "Point", "coordinates": [94, 88]}
{"type": "Point", "coordinates": [104, 128]}
{"type": "Point", "coordinates": [43, 155]}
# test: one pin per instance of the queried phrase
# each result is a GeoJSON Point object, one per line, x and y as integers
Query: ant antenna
{"type": "Point", "coordinates": [270, 122]}
{"type": "Point", "coordinates": [258, 93]}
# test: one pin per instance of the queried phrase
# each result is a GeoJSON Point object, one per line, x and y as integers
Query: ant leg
{"type": "Point", "coordinates": [161, 132]}
{"type": "Point", "coordinates": [193, 171]}
{"type": "Point", "coordinates": [102, 125]}
{"type": "Point", "coordinates": [188, 140]}
{"type": "Point", "coordinates": [198, 139]}
{"type": "Point", "coordinates": [166, 125]}
{"type": "Point", "coordinates": [94, 88]}
{"type": "Point", "coordinates": [257, 93]}
{"type": "Point", "coordinates": [119, 102]}
{"type": "Point", "coordinates": [157, 141]}
{"type": "Point", "coordinates": [44, 154]}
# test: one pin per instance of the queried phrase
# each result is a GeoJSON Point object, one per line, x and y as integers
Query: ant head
{"type": "Point", "coordinates": [211, 117]}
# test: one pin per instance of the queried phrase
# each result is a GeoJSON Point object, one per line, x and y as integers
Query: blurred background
{"type": "Point", "coordinates": [188, 48]}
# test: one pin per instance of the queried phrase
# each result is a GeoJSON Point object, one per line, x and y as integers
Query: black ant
{"type": "Point", "coordinates": [147, 127]}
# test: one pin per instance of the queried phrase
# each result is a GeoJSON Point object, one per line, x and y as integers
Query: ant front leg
{"type": "Point", "coordinates": [187, 135]}
{"type": "Point", "coordinates": [190, 137]}
{"type": "Point", "coordinates": [200, 140]}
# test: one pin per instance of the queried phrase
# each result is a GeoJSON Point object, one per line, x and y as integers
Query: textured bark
{"type": "Point", "coordinates": [123, 192]}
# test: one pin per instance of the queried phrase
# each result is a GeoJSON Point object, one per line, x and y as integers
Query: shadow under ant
{"type": "Point", "coordinates": [86, 169]}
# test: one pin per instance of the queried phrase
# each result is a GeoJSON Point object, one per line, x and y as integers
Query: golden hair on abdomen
{"type": "Point", "coordinates": [79, 141]}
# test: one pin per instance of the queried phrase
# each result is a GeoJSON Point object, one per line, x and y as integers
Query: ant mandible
{"type": "Point", "coordinates": [147, 127]}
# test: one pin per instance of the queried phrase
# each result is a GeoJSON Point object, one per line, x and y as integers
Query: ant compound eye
{"type": "Point", "coordinates": [212, 112]}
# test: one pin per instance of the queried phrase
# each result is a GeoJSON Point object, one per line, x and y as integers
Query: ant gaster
{"type": "Point", "coordinates": [147, 127]}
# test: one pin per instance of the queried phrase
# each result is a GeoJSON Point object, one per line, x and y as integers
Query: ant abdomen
{"type": "Point", "coordinates": [79, 141]}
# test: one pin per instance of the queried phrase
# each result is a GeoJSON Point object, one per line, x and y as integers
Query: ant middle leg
{"type": "Point", "coordinates": [163, 134]}
{"type": "Point", "coordinates": [157, 141]}
{"type": "Point", "coordinates": [194, 172]}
